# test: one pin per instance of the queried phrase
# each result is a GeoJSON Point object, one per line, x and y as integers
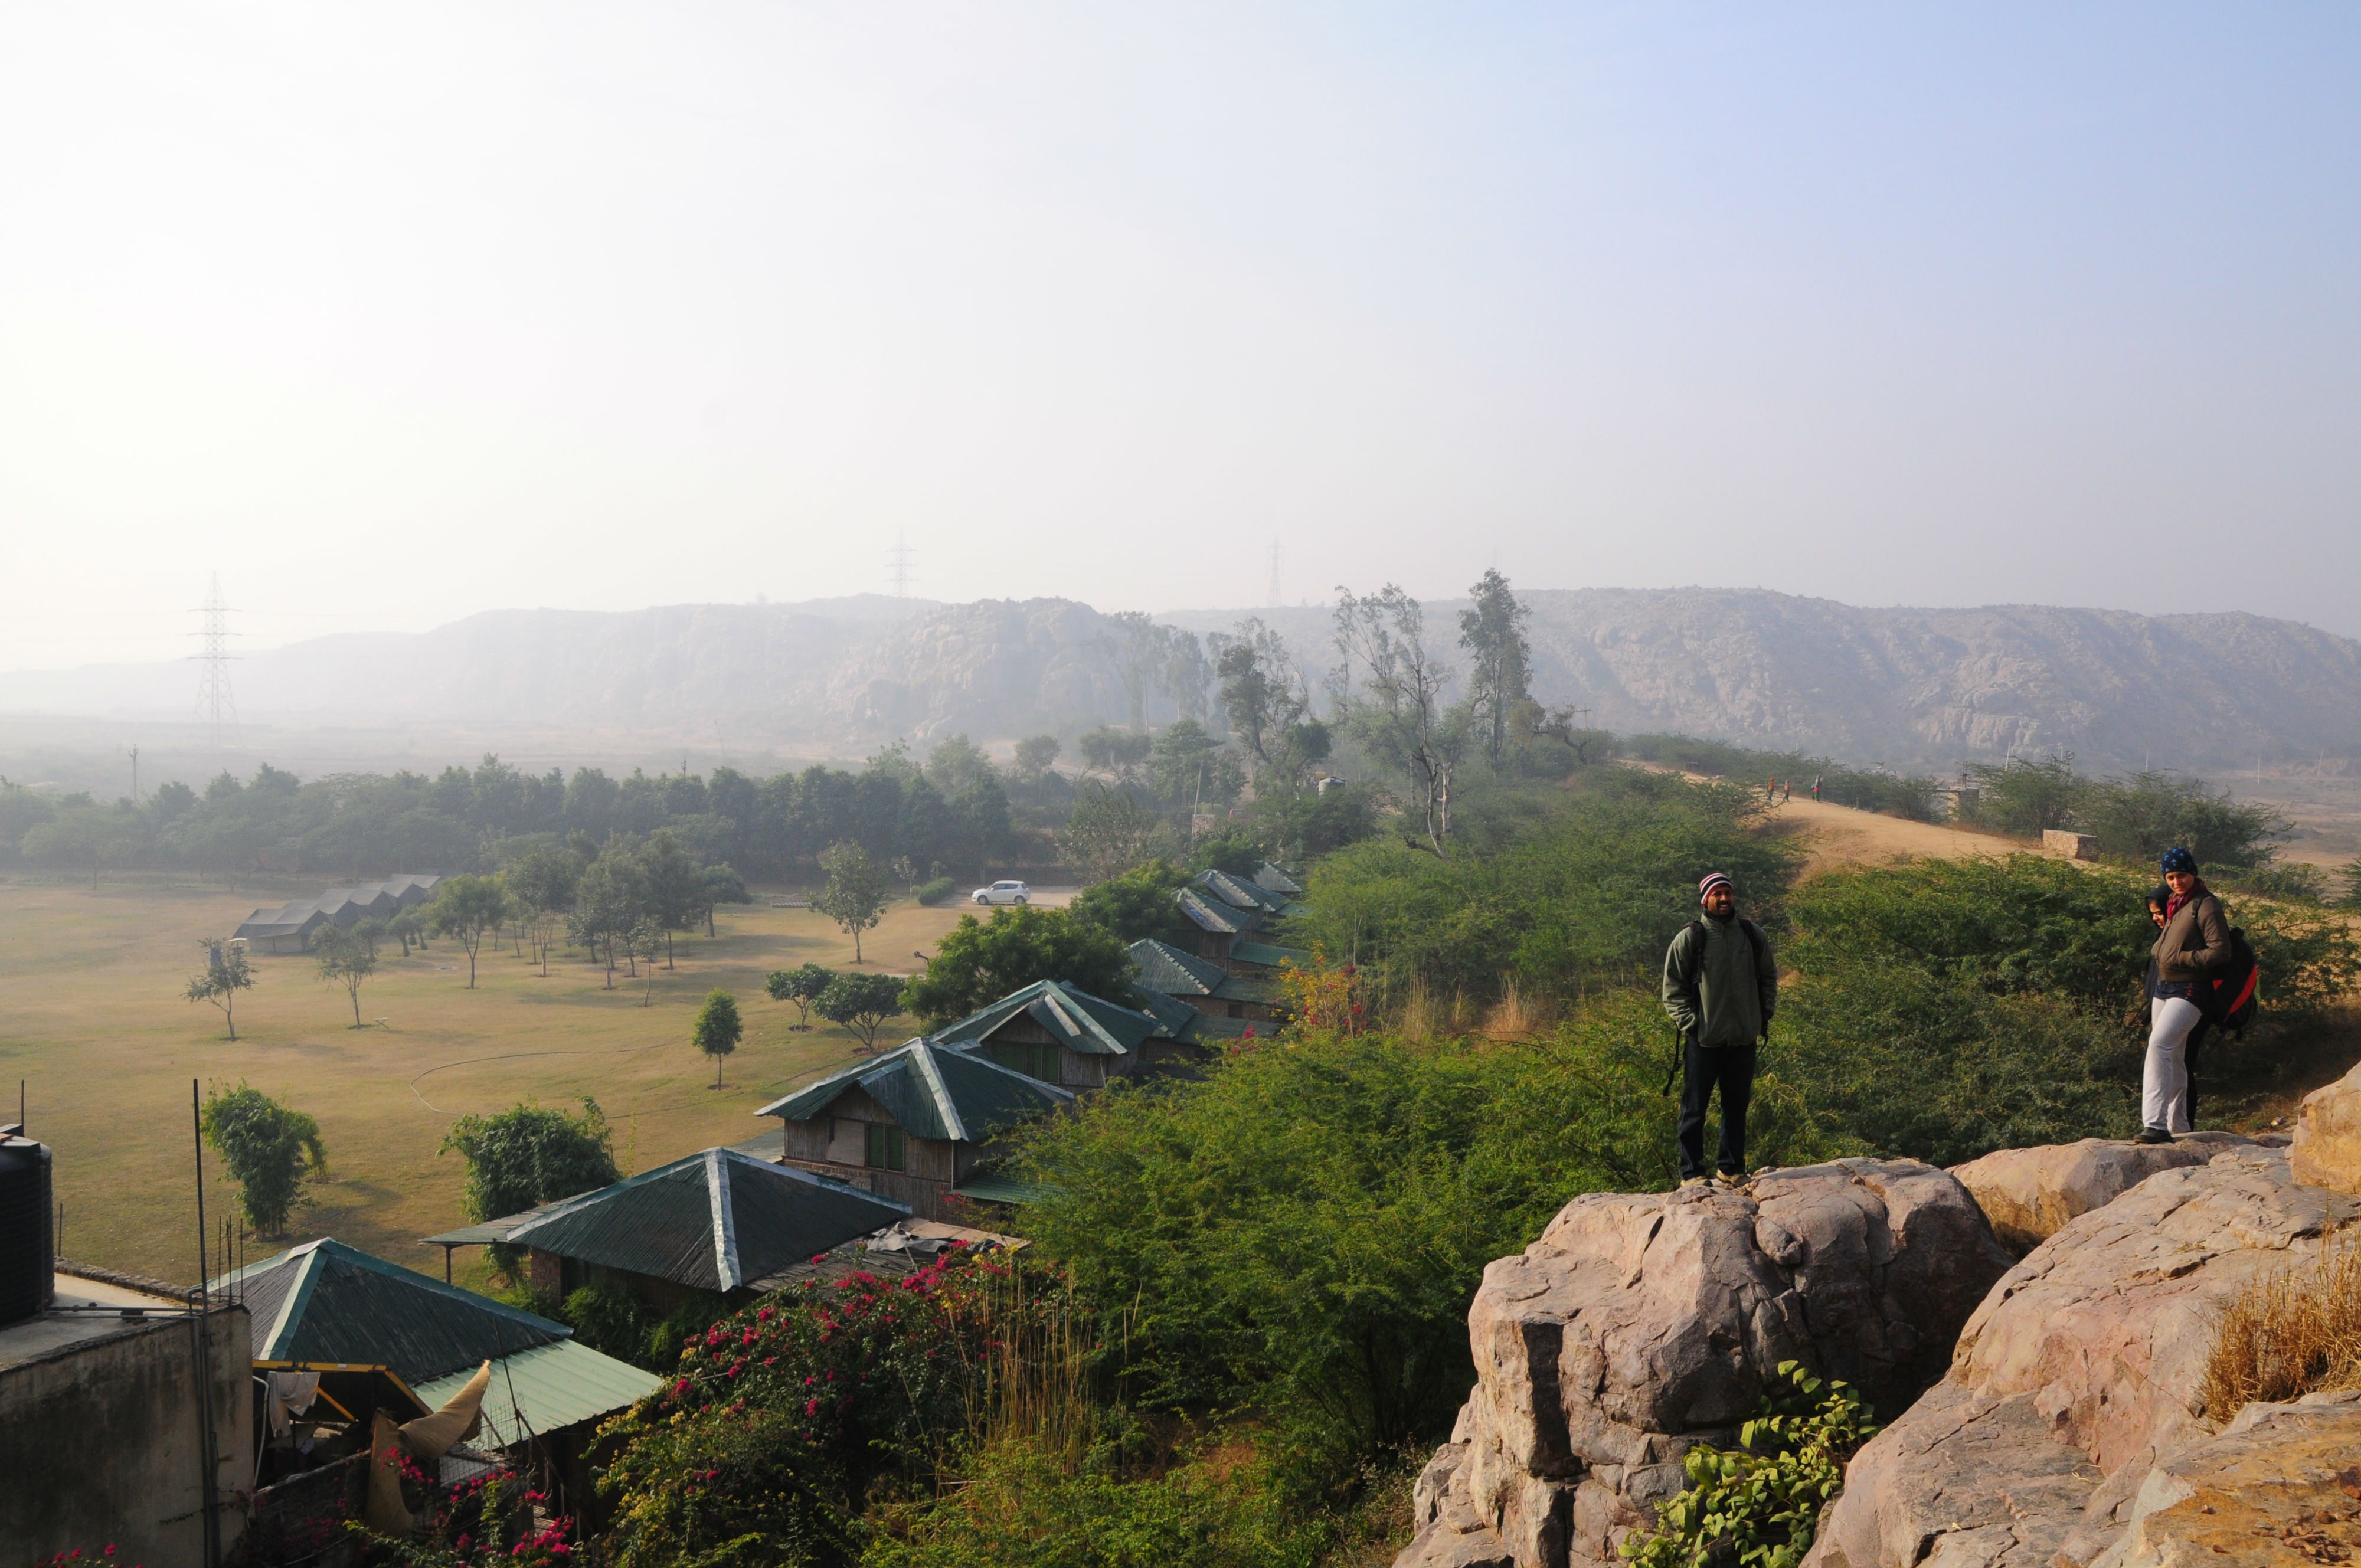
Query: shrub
{"type": "Point", "coordinates": [1584, 896]}
{"type": "Point", "coordinates": [977, 962]}
{"type": "Point", "coordinates": [270, 1149]}
{"type": "Point", "coordinates": [2288, 1333]}
{"type": "Point", "coordinates": [933, 893]}
{"type": "Point", "coordinates": [1759, 1503]}
{"type": "Point", "coordinates": [528, 1154]}
{"type": "Point", "coordinates": [1137, 904]}
{"type": "Point", "coordinates": [1302, 1231]}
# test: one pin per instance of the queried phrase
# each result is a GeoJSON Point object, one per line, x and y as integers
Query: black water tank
{"type": "Point", "coordinates": [26, 1249]}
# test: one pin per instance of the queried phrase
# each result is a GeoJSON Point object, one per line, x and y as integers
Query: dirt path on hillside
{"type": "Point", "coordinates": [1835, 835]}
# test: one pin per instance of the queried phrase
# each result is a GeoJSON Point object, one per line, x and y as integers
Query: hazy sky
{"type": "Point", "coordinates": [392, 314]}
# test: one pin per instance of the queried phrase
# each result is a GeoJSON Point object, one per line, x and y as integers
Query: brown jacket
{"type": "Point", "coordinates": [2195, 941]}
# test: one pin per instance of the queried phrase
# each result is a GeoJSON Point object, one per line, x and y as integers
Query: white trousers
{"type": "Point", "coordinates": [2164, 1087]}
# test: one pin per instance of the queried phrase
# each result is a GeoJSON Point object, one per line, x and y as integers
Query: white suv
{"type": "Point", "coordinates": [1003, 893]}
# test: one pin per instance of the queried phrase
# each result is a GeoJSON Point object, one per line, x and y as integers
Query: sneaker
{"type": "Point", "coordinates": [1688, 1182]}
{"type": "Point", "coordinates": [2152, 1136]}
{"type": "Point", "coordinates": [1732, 1180]}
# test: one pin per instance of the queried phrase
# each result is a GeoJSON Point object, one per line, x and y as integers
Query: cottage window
{"type": "Point", "coordinates": [1033, 1061]}
{"type": "Point", "coordinates": [886, 1147]}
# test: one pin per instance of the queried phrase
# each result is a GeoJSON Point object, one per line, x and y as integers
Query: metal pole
{"type": "Point", "coordinates": [208, 1480]}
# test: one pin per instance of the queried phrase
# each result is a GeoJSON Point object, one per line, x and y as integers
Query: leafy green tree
{"type": "Point", "coordinates": [1492, 629]}
{"type": "Point", "coordinates": [270, 1150]}
{"type": "Point", "coordinates": [528, 1156]}
{"type": "Point", "coordinates": [609, 902]}
{"type": "Point", "coordinates": [856, 893]}
{"type": "Point", "coordinates": [225, 974]}
{"type": "Point", "coordinates": [676, 886]}
{"type": "Point", "coordinates": [408, 926]}
{"type": "Point", "coordinates": [544, 882]}
{"type": "Point", "coordinates": [1115, 752]}
{"type": "Point", "coordinates": [347, 958]}
{"type": "Point", "coordinates": [2143, 816]}
{"type": "Point", "coordinates": [464, 907]}
{"type": "Point", "coordinates": [1108, 833]}
{"type": "Point", "coordinates": [981, 961]}
{"type": "Point", "coordinates": [863, 1003]}
{"type": "Point", "coordinates": [717, 885]}
{"type": "Point", "coordinates": [800, 986]}
{"type": "Point", "coordinates": [87, 836]}
{"type": "Point", "coordinates": [1263, 692]}
{"type": "Point", "coordinates": [1034, 755]}
{"type": "Point", "coordinates": [717, 1030]}
{"type": "Point", "coordinates": [1138, 905]}
{"type": "Point", "coordinates": [2026, 796]}
{"type": "Point", "coordinates": [1396, 707]}
{"type": "Point", "coordinates": [643, 944]}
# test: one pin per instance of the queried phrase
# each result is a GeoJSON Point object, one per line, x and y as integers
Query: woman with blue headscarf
{"type": "Point", "coordinates": [2195, 942]}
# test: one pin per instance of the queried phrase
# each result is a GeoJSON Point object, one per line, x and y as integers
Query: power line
{"type": "Point", "coordinates": [216, 705]}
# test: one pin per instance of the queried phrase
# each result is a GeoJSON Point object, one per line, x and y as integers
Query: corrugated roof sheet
{"type": "Point", "coordinates": [1165, 968]}
{"type": "Point", "coordinates": [326, 1301]}
{"type": "Point", "coordinates": [1208, 914]}
{"type": "Point", "coordinates": [1238, 892]}
{"type": "Point", "coordinates": [1086, 1025]}
{"type": "Point", "coordinates": [1278, 881]}
{"type": "Point", "coordinates": [934, 1091]}
{"type": "Point", "coordinates": [713, 1221]}
{"type": "Point", "coordinates": [1270, 957]}
{"type": "Point", "coordinates": [1001, 1189]}
{"type": "Point", "coordinates": [545, 1388]}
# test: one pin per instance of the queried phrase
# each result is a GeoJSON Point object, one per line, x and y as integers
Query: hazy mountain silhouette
{"type": "Point", "coordinates": [1922, 687]}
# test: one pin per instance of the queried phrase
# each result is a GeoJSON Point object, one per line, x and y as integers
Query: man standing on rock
{"type": "Point", "coordinates": [1720, 989]}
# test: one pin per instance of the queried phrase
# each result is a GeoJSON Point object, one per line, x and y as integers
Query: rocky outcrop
{"type": "Point", "coordinates": [2029, 1194]}
{"type": "Point", "coordinates": [2077, 1377]}
{"type": "Point", "coordinates": [2282, 1483]}
{"type": "Point", "coordinates": [2327, 1147]}
{"type": "Point", "coordinates": [1639, 1326]}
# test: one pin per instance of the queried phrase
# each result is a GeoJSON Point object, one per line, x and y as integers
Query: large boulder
{"type": "Point", "coordinates": [1639, 1326]}
{"type": "Point", "coordinates": [2281, 1484]}
{"type": "Point", "coordinates": [2077, 1376]}
{"type": "Point", "coordinates": [2029, 1194]}
{"type": "Point", "coordinates": [2327, 1148]}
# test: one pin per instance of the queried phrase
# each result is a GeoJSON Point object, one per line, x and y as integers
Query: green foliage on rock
{"type": "Point", "coordinates": [270, 1150]}
{"type": "Point", "coordinates": [1759, 1504]}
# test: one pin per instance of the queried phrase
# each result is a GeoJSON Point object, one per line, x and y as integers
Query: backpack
{"type": "Point", "coordinates": [2230, 998]}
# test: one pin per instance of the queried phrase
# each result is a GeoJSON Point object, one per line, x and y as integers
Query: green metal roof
{"type": "Point", "coordinates": [1276, 877]}
{"type": "Point", "coordinates": [491, 1231]}
{"type": "Point", "coordinates": [1001, 1189]}
{"type": "Point", "coordinates": [1211, 914]}
{"type": "Point", "coordinates": [714, 1221]}
{"type": "Point", "coordinates": [1165, 968]}
{"type": "Point", "coordinates": [1238, 892]}
{"type": "Point", "coordinates": [324, 1301]}
{"type": "Point", "coordinates": [545, 1388]}
{"type": "Point", "coordinates": [1270, 957]}
{"type": "Point", "coordinates": [1086, 1025]}
{"type": "Point", "coordinates": [934, 1091]}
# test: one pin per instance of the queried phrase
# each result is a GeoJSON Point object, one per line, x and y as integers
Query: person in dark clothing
{"type": "Point", "coordinates": [1720, 989]}
{"type": "Point", "coordinates": [2159, 902]}
{"type": "Point", "coordinates": [2194, 943]}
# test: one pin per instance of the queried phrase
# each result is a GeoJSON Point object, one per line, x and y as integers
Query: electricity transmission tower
{"type": "Point", "coordinates": [1274, 598]}
{"type": "Point", "coordinates": [898, 573]}
{"type": "Point", "coordinates": [216, 705]}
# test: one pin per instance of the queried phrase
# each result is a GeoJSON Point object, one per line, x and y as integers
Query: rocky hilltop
{"type": "Point", "coordinates": [1922, 688]}
{"type": "Point", "coordinates": [2063, 1421]}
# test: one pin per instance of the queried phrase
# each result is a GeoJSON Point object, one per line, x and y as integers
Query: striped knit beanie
{"type": "Point", "coordinates": [1713, 879]}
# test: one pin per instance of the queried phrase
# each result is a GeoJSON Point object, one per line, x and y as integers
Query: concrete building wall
{"type": "Point", "coordinates": [99, 1442]}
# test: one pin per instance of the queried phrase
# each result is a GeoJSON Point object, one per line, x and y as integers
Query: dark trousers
{"type": "Point", "coordinates": [1702, 1066]}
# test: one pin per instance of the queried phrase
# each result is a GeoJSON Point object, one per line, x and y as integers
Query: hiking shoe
{"type": "Point", "coordinates": [2152, 1136]}
{"type": "Point", "coordinates": [1732, 1180]}
{"type": "Point", "coordinates": [1688, 1182]}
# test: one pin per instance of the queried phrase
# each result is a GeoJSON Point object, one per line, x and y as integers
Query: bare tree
{"type": "Point", "coordinates": [1398, 712]}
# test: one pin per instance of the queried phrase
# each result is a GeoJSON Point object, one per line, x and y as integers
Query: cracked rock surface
{"type": "Point", "coordinates": [1641, 1325]}
{"type": "Point", "coordinates": [2076, 1378]}
{"type": "Point", "coordinates": [2029, 1194]}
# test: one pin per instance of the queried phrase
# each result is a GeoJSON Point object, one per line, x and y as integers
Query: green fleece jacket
{"type": "Point", "coordinates": [1730, 1001]}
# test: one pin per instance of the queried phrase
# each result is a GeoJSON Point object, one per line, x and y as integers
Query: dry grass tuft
{"type": "Point", "coordinates": [1514, 1018]}
{"type": "Point", "coordinates": [2293, 1331]}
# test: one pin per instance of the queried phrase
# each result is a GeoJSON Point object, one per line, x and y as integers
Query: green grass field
{"type": "Point", "coordinates": [93, 1019]}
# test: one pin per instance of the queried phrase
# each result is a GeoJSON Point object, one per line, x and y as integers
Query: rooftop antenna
{"type": "Point", "coordinates": [215, 707]}
{"type": "Point", "coordinates": [898, 573]}
{"type": "Point", "coordinates": [1274, 598]}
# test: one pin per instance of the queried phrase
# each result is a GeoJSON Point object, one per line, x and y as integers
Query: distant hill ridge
{"type": "Point", "coordinates": [1915, 687]}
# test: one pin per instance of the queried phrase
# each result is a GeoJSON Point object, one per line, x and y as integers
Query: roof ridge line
{"type": "Point", "coordinates": [725, 1227]}
{"type": "Point", "coordinates": [949, 1107]}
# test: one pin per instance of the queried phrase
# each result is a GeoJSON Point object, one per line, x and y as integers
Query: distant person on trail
{"type": "Point", "coordinates": [2195, 939]}
{"type": "Point", "coordinates": [1720, 989]}
{"type": "Point", "coordinates": [1786, 791]}
{"type": "Point", "coordinates": [1770, 793]}
{"type": "Point", "coordinates": [2160, 899]}
{"type": "Point", "coordinates": [1816, 789]}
